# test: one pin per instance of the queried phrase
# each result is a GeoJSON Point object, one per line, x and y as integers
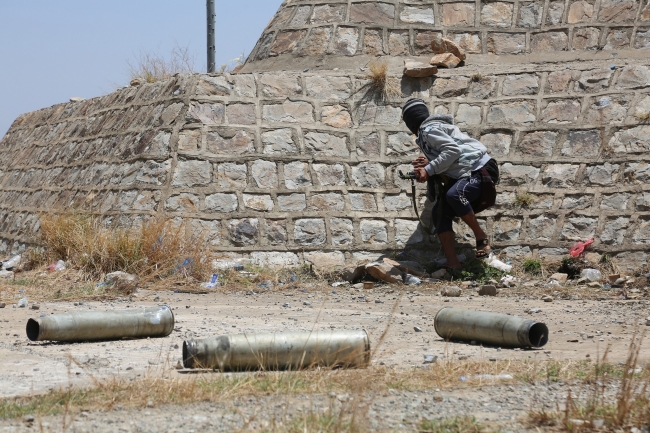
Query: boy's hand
{"type": "Point", "coordinates": [421, 175]}
{"type": "Point", "coordinates": [421, 162]}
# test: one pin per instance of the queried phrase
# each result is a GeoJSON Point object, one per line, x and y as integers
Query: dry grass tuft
{"type": "Point", "coordinates": [643, 116]}
{"type": "Point", "coordinates": [524, 199]}
{"type": "Point", "coordinates": [153, 67]}
{"type": "Point", "coordinates": [464, 424]}
{"type": "Point", "coordinates": [386, 87]}
{"type": "Point", "coordinates": [158, 249]}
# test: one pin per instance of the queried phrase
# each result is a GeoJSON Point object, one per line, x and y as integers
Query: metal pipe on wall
{"type": "Point", "coordinates": [211, 14]}
{"type": "Point", "coordinates": [102, 325]}
{"type": "Point", "coordinates": [490, 328]}
{"type": "Point", "coordinates": [279, 351]}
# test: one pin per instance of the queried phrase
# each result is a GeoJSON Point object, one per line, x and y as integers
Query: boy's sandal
{"type": "Point", "coordinates": [482, 253]}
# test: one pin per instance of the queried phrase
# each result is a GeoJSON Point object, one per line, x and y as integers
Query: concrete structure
{"type": "Point", "coordinates": [300, 164]}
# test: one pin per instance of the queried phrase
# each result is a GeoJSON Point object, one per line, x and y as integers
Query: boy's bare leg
{"type": "Point", "coordinates": [479, 234]}
{"type": "Point", "coordinates": [449, 247]}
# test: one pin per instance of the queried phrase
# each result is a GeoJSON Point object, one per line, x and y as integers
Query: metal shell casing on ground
{"type": "Point", "coordinates": [279, 351]}
{"type": "Point", "coordinates": [490, 328]}
{"type": "Point", "coordinates": [102, 325]}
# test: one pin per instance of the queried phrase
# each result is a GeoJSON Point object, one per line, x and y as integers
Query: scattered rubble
{"type": "Point", "coordinates": [451, 291]}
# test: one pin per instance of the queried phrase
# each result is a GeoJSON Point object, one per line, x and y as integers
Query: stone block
{"type": "Point", "coordinates": [515, 175]}
{"type": "Point", "coordinates": [209, 231]}
{"type": "Point", "coordinates": [396, 203]}
{"type": "Point", "coordinates": [296, 175]}
{"type": "Point", "coordinates": [347, 41]}
{"type": "Point", "coordinates": [643, 201]}
{"type": "Point", "coordinates": [522, 84]}
{"type": "Point", "coordinates": [468, 115]}
{"type": "Point", "coordinates": [373, 13]}
{"type": "Point", "coordinates": [265, 174]}
{"type": "Point", "coordinates": [638, 172]}
{"type": "Point", "coordinates": [336, 116]}
{"type": "Point", "coordinates": [604, 175]}
{"type": "Point", "coordinates": [530, 15]}
{"type": "Point", "coordinates": [342, 231]}
{"type": "Point", "coordinates": [301, 16]}
{"type": "Point", "coordinates": [645, 13]}
{"type": "Point", "coordinates": [325, 260]}
{"type": "Point", "coordinates": [483, 87]}
{"type": "Point", "coordinates": [170, 113]}
{"type": "Point", "coordinates": [324, 144]}
{"type": "Point", "coordinates": [373, 42]}
{"type": "Point", "coordinates": [542, 228]}
{"type": "Point", "coordinates": [183, 203]}
{"type": "Point", "coordinates": [330, 175]}
{"type": "Point", "coordinates": [615, 202]}
{"type": "Point", "coordinates": [189, 141]}
{"type": "Point", "coordinates": [383, 271]}
{"type": "Point", "coordinates": [605, 110]}
{"type": "Point", "coordinates": [516, 252]}
{"type": "Point", "coordinates": [417, 15]}
{"type": "Point", "coordinates": [497, 14]}
{"type": "Point", "coordinates": [641, 235]}
{"type": "Point", "coordinates": [275, 260]}
{"type": "Point", "coordinates": [241, 114]}
{"type": "Point", "coordinates": [276, 232]}
{"type": "Point", "coordinates": [363, 202]}
{"type": "Point", "coordinates": [539, 143]}
{"type": "Point", "coordinates": [561, 111]}
{"type": "Point", "coordinates": [408, 232]}
{"type": "Point", "coordinates": [279, 142]}
{"type": "Point", "coordinates": [146, 200]}
{"type": "Point", "coordinates": [586, 38]}
{"type": "Point", "coordinates": [243, 232]}
{"type": "Point", "coordinates": [579, 229]}
{"type": "Point", "coordinates": [325, 14]}
{"type": "Point", "coordinates": [402, 143]}
{"type": "Point", "coordinates": [399, 43]}
{"type": "Point", "coordinates": [213, 86]}
{"type": "Point", "coordinates": [423, 40]}
{"type": "Point", "coordinates": [230, 141]}
{"type": "Point", "coordinates": [642, 38]}
{"type": "Point", "coordinates": [555, 13]}
{"type": "Point", "coordinates": [558, 82]}
{"type": "Point", "coordinates": [208, 114]}
{"type": "Point", "coordinates": [327, 202]}
{"type": "Point", "coordinates": [618, 39]}
{"type": "Point", "coordinates": [373, 232]}
{"type": "Point", "coordinates": [292, 202]}
{"type": "Point", "coordinates": [415, 69]}
{"type": "Point", "coordinates": [221, 202]}
{"type": "Point", "coordinates": [245, 86]}
{"type": "Point", "coordinates": [634, 77]}
{"type": "Point", "coordinates": [309, 231]}
{"type": "Point", "coordinates": [289, 112]}
{"type": "Point", "coordinates": [261, 203]}
{"type": "Point", "coordinates": [560, 175]}
{"type": "Point", "coordinates": [370, 175]}
{"type": "Point", "coordinates": [580, 11]}
{"type": "Point", "coordinates": [442, 45]}
{"type": "Point", "coordinates": [497, 143]}
{"type": "Point", "coordinates": [618, 11]}
{"type": "Point", "coordinates": [324, 87]}
{"type": "Point", "coordinates": [507, 229]}
{"type": "Point", "coordinates": [372, 114]}
{"type": "Point", "coordinates": [450, 87]}
{"type": "Point", "coordinates": [632, 140]}
{"type": "Point", "coordinates": [458, 14]}
{"type": "Point", "coordinates": [582, 143]}
{"type": "Point", "coordinates": [577, 202]}
{"type": "Point", "coordinates": [594, 81]}
{"type": "Point", "coordinates": [317, 42]}
{"type": "Point", "coordinates": [286, 41]}
{"type": "Point", "coordinates": [506, 43]}
{"type": "Point", "coordinates": [520, 112]}
{"type": "Point", "coordinates": [369, 145]}
{"type": "Point", "coordinates": [192, 173]}
{"type": "Point", "coordinates": [642, 109]}
{"type": "Point", "coordinates": [232, 175]}
{"type": "Point", "coordinates": [469, 42]}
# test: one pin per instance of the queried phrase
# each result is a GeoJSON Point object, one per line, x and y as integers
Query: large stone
{"type": "Point", "coordinates": [415, 69]}
{"type": "Point", "coordinates": [458, 14]}
{"type": "Point", "coordinates": [279, 142]}
{"type": "Point", "coordinates": [325, 260]}
{"type": "Point", "coordinates": [189, 141]}
{"type": "Point", "coordinates": [399, 43]}
{"type": "Point", "coordinates": [642, 39]}
{"type": "Point", "coordinates": [632, 140]}
{"type": "Point", "coordinates": [560, 175]}
{"type": "Point", "coordinates": [372, 114]}
{"type": "Point", "coordinates": [642, 233]}
{"type": "Point", "coordinates": [342, 231]}
{"type": "Point", "coordinates": [498, 143]}
{"type": "Point", "coordinates": [542, 228]}
{"type": "Point", "coordinates": [520, 112]}
{"type": "Point", "coordinates": [317, 42]}
{"type": "Point", "coordinates": [289, 112]}
{"type": "Point", "coordinates": [230, 142]}
{"type": "Point", "coordinates": [549, 41]}
{"type": "Point", "coordinates": [373, 42]}
{"type": "Point", "coordinates": [524, 84]}
{"type": "Point", "coordinates": [330, 175]}
{"type": "Point", "coordinates": [615, 202]}
{"type": "Point", "coordinates": [244, 232]}
{"type": "Point", "coordinates": [262, 203]}
{"type": "Point", "coordinates": [327, 202]}
{"type": "Point", "coordinates": [373, 13]}
{"type": "Point", "coordinates": [275, 260]}
{"type": "Point", "coordinates": [579, 229]}
{"type": "Point", "coordinates": [450, 87]}
{"type": "Point", "coordinates": [634, 77]}
{"type": "Point", "coordinates": [530, 15]}
{"type": "Point", "coordinates": [323, 144]}
{"type": "Point", "coordinates": [582, 143]}
{"type": "Point", "coordinates": [614, 230]}
{"type": "Point", "coordinates": [370, 175]}
{"type": "Point", "coordinates": [241, 114]}
{"type": "Point", "coordinates": [296, 175]}
{"type": "Point", "coordinates": [604, 175]}
{"type": "Point", "coordinates": [213, 86]}
{"type": "Point", "coordinates": [324, 14]}
{"type": "Point", "coordinates": [417, 15]}
{"type": "Point", "coordinates": [369, 145]}
{"type": "Point", "coordinates": [483, 87]}
{"type": "Point", "coordinates": [208, 114]}
{"type": "Point", "coordinates": [423, 40]}
{"type": "Point", "coordinates": [586, 38]}
{"type": "Point", "coordinates": [336, 116]}
{"type": "Point", "coordinates": [595, 80]}
{"type": "Point", "coordinates": [441, 45]}
{"type": "Point", "coordinates": [515, 175]}
{"type": "Point", "coordinates": [497, 14]}
{"type": "Point", "coordinates": [325, 87]}
{"type": "Point", "coordinates": [286, 41]}
{"type": "Point", "coordinates": [192, 173]}
{"type": "Point", "coordinates": [386, 272]}
{"type": "Point", "coordinates": [408, 232]}
{"type": "Point", "coordinates": [561, 111]}
{"type": "Point", "coordinates": [618, 11]}
{"type": "Point", "coordinates": [555, 12]}
{"type": "Point", "coordinates": [401, 144]}
{"type": "Point", "coordinates": [577, 202]}
{"type": "Point", "coordinates": [301, 16]}
{"type": "Point", "coordinates": [507, 229]}
{"type": "Point", "coordinates": [580, 11]}
{"type": "Point", "coordinates": [183, 203]}
{"type": "Point", "coordinates": [347, 41]}
{"type": "Point", "coordinates": [276, 232]}
{"type": "Point", "coordinates": [395, 203]}
{"type": "Point", "coordinates": [221, 202]}
{"type": "Point", "coordinates": [373, 231]}
{"type": "Point", "coordinates": [232, 175]}
{"type": "Point", "coordinates": [604, 110]}
{"type": "Point", "coordinates": [292, 202]}
{"type": "Point", "coordinates": [618, 39]}
{"type": "Point", "coordinates": [309, 231]}
{"type": "Point", "coordinates": [538, 143]}
{"type": "Point", "coordinates": [446, 60]}
{"type": "Point", "coordinates": [643, 201]}
{"type": "Point", "coordinates": [363, 202]}
{"type": "Point", "coordinates": [468, 115]}
{"type": "Point", "coordinates": [469, 42]}
{"type": "Point", "coordinates": [265, 174]}
{"type": "Point", "coordinates": [558, 82]}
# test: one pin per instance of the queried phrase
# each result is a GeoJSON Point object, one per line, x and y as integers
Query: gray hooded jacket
{"type": "Point", "coordinates": [450, 151]}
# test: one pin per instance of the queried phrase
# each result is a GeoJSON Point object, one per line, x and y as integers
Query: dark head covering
{"type": "Point", "coordinates": [414, 113]}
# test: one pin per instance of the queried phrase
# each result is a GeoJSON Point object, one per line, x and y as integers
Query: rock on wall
{"type": "Point", "coordinates": [302, 166]}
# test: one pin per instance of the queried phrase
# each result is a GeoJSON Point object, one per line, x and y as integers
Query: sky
{"type": "Point", "coordinates": [51, 51]}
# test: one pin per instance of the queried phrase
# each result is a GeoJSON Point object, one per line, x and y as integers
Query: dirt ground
{"type": "Point", "coordinates": [582, 324]}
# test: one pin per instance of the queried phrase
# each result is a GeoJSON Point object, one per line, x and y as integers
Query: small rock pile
{"type": "Point", "coordinates": [447, 55]}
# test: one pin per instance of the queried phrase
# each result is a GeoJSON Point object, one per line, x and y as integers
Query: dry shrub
{"type": "Point", "coordinates": [158, 249]}
{"type": "Point", "coordinates": [386, 87]}
{"type": "Point", "coordinates": [152, 67]}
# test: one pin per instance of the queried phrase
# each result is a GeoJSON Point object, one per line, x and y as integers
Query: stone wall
{"type": "Point", "coordinates": [302, 166]}
{"type": "Point", "coordinates": [328, 34]}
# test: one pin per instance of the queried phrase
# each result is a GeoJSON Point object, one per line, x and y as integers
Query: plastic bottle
{"type": "Point", "coordinates": [411, 280]}
{"type": "Point", "coordinates": [495, 263]}
{"type": "Point", "coordinates": [11, 263]}
{"type": "Point", "coordinates": [591, 274]}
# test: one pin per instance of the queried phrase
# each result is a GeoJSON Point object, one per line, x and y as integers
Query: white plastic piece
{"type": "Point", "coordinates": [12, 263]}
{"type": "Point", "coordinates": [495, 263]}
{"type": "Point", "coordinates": [411, 280]}
{"type": "Point", "coordinates": [591, 274]}
{"type": "Point", "coordinates": [22, 303]}
{"type": "Point", "coordinates": [60, 266]}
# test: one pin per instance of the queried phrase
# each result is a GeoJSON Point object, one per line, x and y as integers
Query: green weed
{"type": "Point", "coordinates": [533, 267]}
